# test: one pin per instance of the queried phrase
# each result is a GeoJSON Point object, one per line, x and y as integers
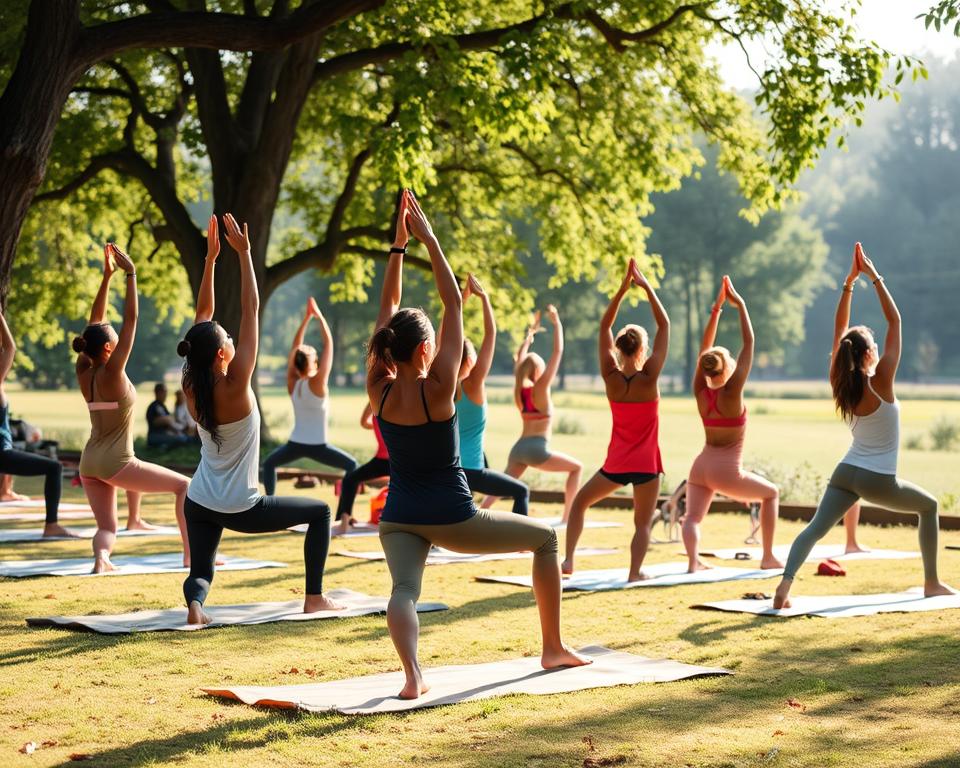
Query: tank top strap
{"type": "Point", "coordinates": [423, 398]}
{"type": "Point", "coordinates": [383, 397]}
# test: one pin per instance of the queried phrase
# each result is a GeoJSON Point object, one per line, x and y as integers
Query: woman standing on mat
{"type": "Point", "coordinates": [21, 463]}
{"type": "Point", "coordinates": [223, 491]}
{"type": "Point", "coordinates": [630, 372]}
{"type": "Point", "coordinates": [531, 393]}
{"type": "Point", "coordinates": [378, 466]}
{"type": "Point", "coordinates": [412, 377]}
{"type": "Point", "coordinates": [307, 378]}
{"type": "Point", "coordinates": [471, 403]}
{"type": "Point", "coordinates": [863, 390]}
{"type": "Point", "coordinates": [718, 387]}
{"type": "Point", "coordinates": [108, 461]}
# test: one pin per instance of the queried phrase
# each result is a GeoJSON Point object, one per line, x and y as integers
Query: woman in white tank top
{"type": "Point", "coordinates": [862, 382]}
{"type": "Point", "coordinates": [307, 377]}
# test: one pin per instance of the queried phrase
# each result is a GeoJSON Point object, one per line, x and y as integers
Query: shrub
{"type": "Point", "coordinates": [566, 425]}
{"type": "Point", "coordinates": [914, 443]}
{"type": "Point", "coordinates": [800, 483]}
{"type": "Point", "coordinates": [944, 434]}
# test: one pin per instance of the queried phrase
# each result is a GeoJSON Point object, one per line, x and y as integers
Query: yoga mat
{"type": "Point", "coordinates": [376, 694]}
{"type": "Point", "coordinates": [356, 532]}
{"type": "Point", "coordinates": [36, 534]}
{"type": "Point", "coordinates": [557, 523]}
{"type": "Point", "coordinates": [35, 517]}
{"type": "Point", "coordinates": [660, 575]}
{"type": "Point", "coordinates": [819, 552]}
{"type": "Point", "coordinates": [168, 562]}
{"type": "Point", "coordinates": [357, 604]}
{"type": "Point", "coordinates": [41, 504]}
{"type": "Point", "coordinates": [842, 606]}
{"type": "Point", "coordinates": [440, 556]}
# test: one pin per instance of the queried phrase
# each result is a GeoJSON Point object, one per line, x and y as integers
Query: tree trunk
{"type": "Point", "coordinates": [688, 339]}
{"type": "Point", "coordinates": [30, 108]}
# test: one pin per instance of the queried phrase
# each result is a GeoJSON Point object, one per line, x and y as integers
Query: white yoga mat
{"type": "Point", "coordinates": [168, 562]}
{"type": "Point", "coordinates": [36, 534]}
{"type": "Point", "coordinates": [439, 556]}
{"type": "Point", "coordinates": [660, 575]}
{"type": "Point", "coordinates": [34, 517]}
{"type": "Point", "coordinates": [819, 552]}
{"type": "Point", "coordinates": [358, 531]}
{"type": "Point", "coordinates": [357, 604]}
{"type": "Point", "coordinates": [468, 682]}
{"type": "Point", "coordinates": [41, 504]}
{"type": "Point", "coordinates": [842, 606]}
{"type": "Point", "coordinates": [558, 523]}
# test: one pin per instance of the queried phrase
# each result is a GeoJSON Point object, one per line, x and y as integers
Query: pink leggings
{"type": "Point", "coordinates": [140, 477]}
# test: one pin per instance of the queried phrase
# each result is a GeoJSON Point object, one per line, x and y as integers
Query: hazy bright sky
{"type": "Point", "coordinates": [891, 23]}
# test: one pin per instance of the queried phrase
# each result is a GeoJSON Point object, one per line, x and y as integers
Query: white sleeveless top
{"type": "Point", "coordinates": [226, 479]}
{"type": "Point", "coordinates": [309, 415]}
{"type": "Point", "coordinates": [876, 438]}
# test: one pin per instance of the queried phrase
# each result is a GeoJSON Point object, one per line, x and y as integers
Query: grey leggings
{"type": "Point", "coordinates": [850, 484]}
{"type": "Point", "coordinates": [407, 546]}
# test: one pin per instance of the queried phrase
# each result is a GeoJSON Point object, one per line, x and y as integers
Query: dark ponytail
{"type": "Point", "coordinates": [93, 339]}
{"type": "Point", "coordinates": [199, 348]}
{"type": "Point", "coordinates": [396, 341]}
{"type": "Point", "coordinates": [847, 377]}
{"type": "Point", "coordinates": [301, 358]}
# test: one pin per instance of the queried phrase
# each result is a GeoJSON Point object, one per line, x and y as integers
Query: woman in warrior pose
{"type": "Point", "coordinates": [863, 390]}
{"type": "Point", "coordinates": [108, 461]}
{"type": "Point", "coordinates": [308, 375]}
{"type": "Point", "coordinates": [223, 492]}
{"type": "Point", "coordinates": [630, 371]}
{"type": "Point", "coordinates": [718, 387]}
{"type": "Point", "coordinates": [412, 378]}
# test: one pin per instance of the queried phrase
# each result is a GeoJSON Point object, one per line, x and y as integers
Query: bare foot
{"type": "Point", "coordinates": [700, 566]}
{"type": "Point", "coordinates": [140, 525]}
{"type": "Point", "coordinates": [341, 528]}
{"type": "Point", "coordinates": [854, 548]}
{"type": "Point", "coordinates": [14, 496]}
{"type": "Point", "coordinates": [565, 656]}
{"type": "Point", "coordinates": [413, 689]}
{"type": "Point", "coordinates": [770, 562]}
{"type": "Point", "coordinates": [638, 576]}
{"type": "Point", "coordinates": [196, 615]}
{"type": "Point", "coordinates": [101, 562]}
{"type": "Point", "coordinates": [781, 598]}
{"type": "Point", "coordinates": [937, 588]}
{"type": "Point", "coordinates": [55, 530]}
{"type": "Point", "coordinates": [314, 603]}
{"type": "Point", "coordinates": [566, 567]}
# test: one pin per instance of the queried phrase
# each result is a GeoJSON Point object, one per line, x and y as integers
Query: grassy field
{"type": "Point", "coordinates": [796, 442]}
{"type": "Point", "coordinates": [878, 691]}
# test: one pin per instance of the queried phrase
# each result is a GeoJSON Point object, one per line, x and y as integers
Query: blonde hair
{"type": "Point", "coordinates": [715, 361]}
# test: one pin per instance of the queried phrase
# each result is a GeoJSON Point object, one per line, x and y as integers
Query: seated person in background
{"type": "Point", "coordinates": [162, 428]}
{"type": "Point", "coordinates": [32, 439]}
{"type": "Point", "coordinates": [181, 415]}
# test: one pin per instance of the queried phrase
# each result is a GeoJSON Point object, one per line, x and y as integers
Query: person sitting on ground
{"type": "Point", "coordinates": [181, 415]}
{"type": "Point", "coordinates": [162, 429]}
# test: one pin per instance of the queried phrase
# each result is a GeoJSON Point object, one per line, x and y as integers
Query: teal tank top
{"type": "Point", "coordinates": [472, 419]}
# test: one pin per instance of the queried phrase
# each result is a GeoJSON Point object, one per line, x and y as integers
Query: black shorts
{"type": "Point", "coordinates": [626, 478]}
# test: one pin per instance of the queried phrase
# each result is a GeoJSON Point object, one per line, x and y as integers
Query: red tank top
{"type": "Point", "coordinates": [635, 439]}
{"type": "Point", "coordinates": [720, 420]}
{"type": "Point", "coordinates": [382, 452]}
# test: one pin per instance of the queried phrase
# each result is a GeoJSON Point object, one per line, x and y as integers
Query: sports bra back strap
{"type": "Point", "coordinates": [383, 397]}
{"type": "Point", "coordinates": [423, 397]}
{"type": "Point", "coordinates": [628, 379]}
{"type": "Point", "coordinates": [712, 396]}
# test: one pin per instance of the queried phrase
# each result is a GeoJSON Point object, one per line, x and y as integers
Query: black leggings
{"type": "Point", "coordinates": [25, 464]}
{"type": "Point", "coordinates": [498, 484]}
{"type": "Point", "coordinates": [271, 513]}
{"type": "Point", "coordinates": [322, 454]}
{"type": "Point", "coordinates": [352, 480]}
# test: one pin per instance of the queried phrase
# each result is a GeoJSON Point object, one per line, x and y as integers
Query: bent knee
{"type": "Point", "coordinates": [550, 545]}
{"type": "Point", "coordinates": [405, 591]}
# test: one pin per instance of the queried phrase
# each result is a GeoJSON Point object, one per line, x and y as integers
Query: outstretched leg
{"type": "Point", "coordinates": [645, 498]}
{"type": "Point", "coordinates": [596, 488]}
{"type": "Point", "coordinates": [499, 484]}
{"type": "Point", "coordinates": [560, 462]}
{"type": "Point", "coordinates": [747, 487]}
{"type": "Point", "coordinates": [851, 521]}
{"type": "Point", "coordinates": [351, 483]}
{"type": "Point", "coordinates": [278, 457]}
{"type": "Point", "coordinates": [699, 498]}
{"type": "Point", "coordinates": [514, 469]}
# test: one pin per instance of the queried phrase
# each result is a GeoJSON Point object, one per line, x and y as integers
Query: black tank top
{"type": "Point", "coordinates": [427, 484]}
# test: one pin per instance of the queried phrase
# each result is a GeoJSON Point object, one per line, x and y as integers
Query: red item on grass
{"type": "Point", "coordinates": [830, 568]}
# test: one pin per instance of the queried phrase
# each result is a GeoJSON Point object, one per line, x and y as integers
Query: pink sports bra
{"type": "Point", "coordinates": [721, 420]}
{"type": "Point", "coordinates": [527, 407]}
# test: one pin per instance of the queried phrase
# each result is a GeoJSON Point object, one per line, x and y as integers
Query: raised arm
{"type": "Point", "coordinates": [366, 418]}
{"type": "Point", "coordinates": [392, 290]}
{"type": "Point", "coordinates": [131, 310]}
{"type": "Point", "coordinates": [892, 342]}
{"type": "Point", "coordinates": [709, 336]}
{"type": "Point", "coordinates": [605, 341]}
{"type": "Point", "coordinates": [325, 359]}
{"type": "Point", "coordinates": [446, 364]}
{"type": "Point", "coordinates": [553, 364]}
{"type": "Point", "coordinates": [8, 348]}
{"type": "Point", "coordinates": [842, 320]}
{"type": "Point", "coordinates": [489, 344]}
{"type": "Point", "coordinates": [292, 373]}
{"type": "Point", "coordinates": [532, 331]}
{"type": "Point", "coordinates": [205, 298]}
{"type": "Point", "coordinates": [661, 341]}
{"type": "Point", "coordinates": [745, 358]}
{"type": "Point", "coordinates": [241, 369]}
{"type": "Point", "coordinates": [99, 309]}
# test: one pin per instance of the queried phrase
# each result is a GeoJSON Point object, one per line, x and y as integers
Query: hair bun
{"type": "Point", "coordinates": [79, 344]}
{"type": "Point", "coordinates": [183, 348]}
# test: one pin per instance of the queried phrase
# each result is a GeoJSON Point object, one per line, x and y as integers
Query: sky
{"type": "Point", "coordinates": [891, 23]}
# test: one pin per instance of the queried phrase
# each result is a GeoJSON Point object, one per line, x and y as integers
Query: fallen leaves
{"type": "Point", "coordinates": [794, 704]}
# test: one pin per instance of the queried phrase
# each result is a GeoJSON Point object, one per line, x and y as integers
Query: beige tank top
{"type": "Point", "coordinates": [110, 446]}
